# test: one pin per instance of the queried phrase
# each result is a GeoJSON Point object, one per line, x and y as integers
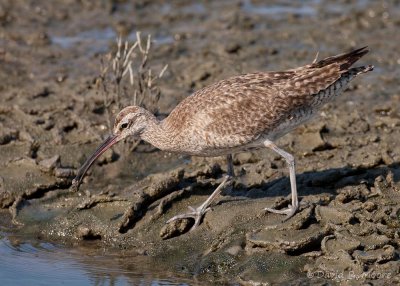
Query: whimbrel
{"type": "Point", "coordinates": [239, 114]}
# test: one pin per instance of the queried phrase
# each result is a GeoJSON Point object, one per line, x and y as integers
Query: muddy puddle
{"type": "Point", "coordinates": [53, 114]}
{"type": "Point", "coordinates": [44, 263]}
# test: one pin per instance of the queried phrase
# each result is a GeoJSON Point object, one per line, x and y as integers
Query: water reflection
{"type": "Point", "coordinates": [99, 40]}
{"type": "Point", "coordinates": [94, 36]}
{"type": "Point", "coordinates": [38, 263]}
{"type": "Point", "coordinates": [279, 10]}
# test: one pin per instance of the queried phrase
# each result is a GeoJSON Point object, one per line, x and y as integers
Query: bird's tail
{"type": "Point", "coordinates": [345, 60]}
{"type": "Point", "coordinates": [362, 69]}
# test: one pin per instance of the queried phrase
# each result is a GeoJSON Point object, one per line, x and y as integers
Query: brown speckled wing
{"type": "Point", "coordinates": [238, 110]}
{"type": "Point", "coordinates": [259, 104]}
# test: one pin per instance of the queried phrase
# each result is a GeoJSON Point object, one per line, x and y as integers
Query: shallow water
{"type": "Point", "coordinates": [42, 263]}
{"type": "Point", "coordinates": [98, 40]}
{"type": "Point", "coordinates": [279, 10]}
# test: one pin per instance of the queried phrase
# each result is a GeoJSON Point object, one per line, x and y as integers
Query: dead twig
{"type": "Point", "coordinates": [126, 79]}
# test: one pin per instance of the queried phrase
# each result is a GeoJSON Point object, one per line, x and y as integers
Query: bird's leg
{"type": "Point", "coordinates": [198, 213]}
{"type": "Point", "coordinates": [291, 210]}
{"type": "Point", "coordinates": [231, 171]}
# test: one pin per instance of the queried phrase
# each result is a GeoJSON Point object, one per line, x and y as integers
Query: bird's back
{"type": "Point", "coordinates": [237, 111]}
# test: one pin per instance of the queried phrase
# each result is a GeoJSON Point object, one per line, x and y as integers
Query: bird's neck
{"type": "Point", "coordinates": [157, 134]}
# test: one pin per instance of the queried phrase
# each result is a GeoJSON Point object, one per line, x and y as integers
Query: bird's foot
{"type": "Point", "coordinates": [289, 212]}
{"type": "Point", "coordinates": [196, 214]}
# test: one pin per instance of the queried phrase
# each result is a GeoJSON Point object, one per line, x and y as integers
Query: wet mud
{"type": "Point", "coordinates": [347, 159]}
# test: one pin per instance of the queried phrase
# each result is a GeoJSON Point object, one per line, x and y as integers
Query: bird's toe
{"type": "Point", "coordinates": [196, 214]}
{"type": "Point", "coordinates": [289, 212]}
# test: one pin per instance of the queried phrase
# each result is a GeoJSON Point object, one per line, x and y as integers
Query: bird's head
{"type": "Point", "coordinates": [130, 121]}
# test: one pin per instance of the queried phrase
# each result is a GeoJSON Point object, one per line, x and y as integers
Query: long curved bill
{"type": "Point", "coordinates": [107, 143]}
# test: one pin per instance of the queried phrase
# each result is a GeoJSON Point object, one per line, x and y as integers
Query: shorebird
{"type": "Point", "coordinates": [239, 114]}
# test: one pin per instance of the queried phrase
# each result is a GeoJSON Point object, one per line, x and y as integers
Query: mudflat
{"type": "Point", "coordinates": [52, 116]}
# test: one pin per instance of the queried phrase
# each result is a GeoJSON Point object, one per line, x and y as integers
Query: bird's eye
{"type": "Point", "coordinates": [124, 125]}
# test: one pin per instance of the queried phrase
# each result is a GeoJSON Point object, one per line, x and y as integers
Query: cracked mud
{"type": "Point", "coordinates": [348, 158]}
